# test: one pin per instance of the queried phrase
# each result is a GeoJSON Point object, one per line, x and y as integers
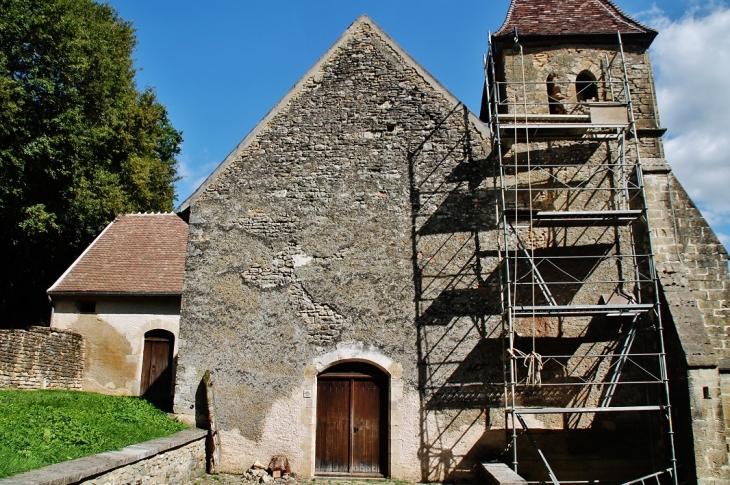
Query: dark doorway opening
{"type": "Point", "coordinates": [157, 365]}
{"type": "Point", "coordinates": [585, 87]}
{"type": "Point", "coordinates": [555, 97]}
{"type": "Point", "coordinates": [352, 421]}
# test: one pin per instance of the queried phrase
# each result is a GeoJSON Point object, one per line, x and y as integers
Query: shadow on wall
{"type": "Point", "coordinates": [202, 413]}
{"type": "Point", "coordinates": [455, 306]}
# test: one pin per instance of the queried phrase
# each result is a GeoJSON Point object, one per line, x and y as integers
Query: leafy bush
{"type": "Point", "coordinates": [39, 428]}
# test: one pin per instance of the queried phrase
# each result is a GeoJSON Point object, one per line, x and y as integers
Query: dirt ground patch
{"type": "Point", "coordinates": [226, 479]}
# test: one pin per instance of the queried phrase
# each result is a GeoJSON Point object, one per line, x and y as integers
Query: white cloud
{"type": "Point", "coordinates": [193, 174]}
{"type": "Point", "coordinates": [691, 60]}
{"type": "Point", "coordinates": [724, 239]}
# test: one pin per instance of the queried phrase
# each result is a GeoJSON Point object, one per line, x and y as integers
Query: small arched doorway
{"type": "Point", "coordinates": [352, 421]}
{"type": "Point", "coordinates": [156, 384]}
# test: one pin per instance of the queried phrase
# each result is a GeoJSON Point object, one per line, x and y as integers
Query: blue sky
{"type": "Point", "coordinates": [219, 67]}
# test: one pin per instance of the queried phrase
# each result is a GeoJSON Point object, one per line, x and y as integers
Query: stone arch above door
{"type": "Point", "coordinates": [369, 354]}
{"type": "Point", "coordinates": [358, 352]}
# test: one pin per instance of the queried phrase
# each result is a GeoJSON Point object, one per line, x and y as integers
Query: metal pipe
{"type": "Point", "coordinates": [652, 267]}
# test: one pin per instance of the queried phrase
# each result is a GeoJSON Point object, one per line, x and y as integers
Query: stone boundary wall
{"type": "Point", "coordinates": [175, 459]}
{"type": "Point", "coordinates": [41, 358]}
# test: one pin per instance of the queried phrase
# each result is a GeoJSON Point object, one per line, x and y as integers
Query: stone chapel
{"type": "Point", "coordinates": [384, 284]}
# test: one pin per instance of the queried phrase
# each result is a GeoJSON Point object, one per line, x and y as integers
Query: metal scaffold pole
{"type": "Point", "coordinates": [504, 269]}
{"type": "Point", "coordinates": [652, 267]}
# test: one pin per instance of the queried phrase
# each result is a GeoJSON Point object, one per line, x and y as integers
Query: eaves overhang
{"type": "Point", "coordinates": [643, 40]}
{"type": "Point", "coordinates": [114, 293]}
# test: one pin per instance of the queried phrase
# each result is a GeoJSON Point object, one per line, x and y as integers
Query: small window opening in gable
{"type": "Point", "coordinates": [586, 88]}
{"type": "Point", "coordinates": [87, 306]}
{"type": "Point", "coordinates": [390, 128]}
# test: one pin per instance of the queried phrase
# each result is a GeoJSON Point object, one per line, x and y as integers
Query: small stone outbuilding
{"type": "Point", "coordinates": [123, 296]}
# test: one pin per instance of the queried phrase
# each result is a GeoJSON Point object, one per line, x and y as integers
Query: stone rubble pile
{"type": "Point", "coordinates": [277, 473]}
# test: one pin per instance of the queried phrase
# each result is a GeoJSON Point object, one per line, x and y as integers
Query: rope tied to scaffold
{"type": "Point", "coordinates": [533, 363]}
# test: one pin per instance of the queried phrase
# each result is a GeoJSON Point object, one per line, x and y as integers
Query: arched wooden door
{"type": "Point", "coordinates": [352, 421]}
{"type": "Point", "coordinates": [157, 367]}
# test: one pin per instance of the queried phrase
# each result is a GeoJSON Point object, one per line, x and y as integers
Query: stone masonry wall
{"type": "Point", "coordinates": [361, 214]}
{"type": "Point", "coordinates": [708, 426]}
{"type": "Point", "coordinates": [566, 62]}
{"type": "Point", "coordinates": [40, 358]}
{"type": "Point", "coordinates": [681, 235]}
{"type": "Point", "coordinates": [346, 217]}
{"type": "Point", "coordinates": [179, 465]}
{"type": "Point", "coordinates": [692, 269]}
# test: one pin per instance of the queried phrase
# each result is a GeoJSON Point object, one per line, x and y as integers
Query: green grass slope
{"type": "Point", "coordinates": [39, 428]}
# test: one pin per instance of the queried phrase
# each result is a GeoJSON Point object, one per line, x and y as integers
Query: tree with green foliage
{"type": "Point", "coordinates": [79, 143]}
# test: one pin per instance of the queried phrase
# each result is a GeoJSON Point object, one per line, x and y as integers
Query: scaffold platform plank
{"type": "Point", "coordinates": [579, 410]}
{"type": "Point", "coordinates": [543, 117]}
{"type": "Point", "coordinates": [585, 218]}
{"type": "Point", "coordinates": [629, 309]}
{"type": "Point", "coordinates": [523, 133]}
{"type": "Point", "coordinates": [501, 474]}
{"type": "Point", "coordinates": [600, 218]}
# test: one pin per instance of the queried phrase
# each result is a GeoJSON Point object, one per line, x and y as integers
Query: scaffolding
{"type": "Point", "coordinates": [575, 252]}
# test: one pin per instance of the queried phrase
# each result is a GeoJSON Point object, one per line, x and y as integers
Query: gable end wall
{"type": "Point", "coordinates": [308, 241]}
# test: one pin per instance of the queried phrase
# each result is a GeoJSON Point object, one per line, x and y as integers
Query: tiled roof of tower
{"type": "Point", "coordinates": [135, 254]}
{"type": "Point", "coordinates": [569, 17]}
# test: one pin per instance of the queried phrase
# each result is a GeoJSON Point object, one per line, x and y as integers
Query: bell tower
{"type": "Point", "coordinates": [570, 101]}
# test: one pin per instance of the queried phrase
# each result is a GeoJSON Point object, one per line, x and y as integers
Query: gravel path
{"type": "Point", "coordinates": [226, 479]}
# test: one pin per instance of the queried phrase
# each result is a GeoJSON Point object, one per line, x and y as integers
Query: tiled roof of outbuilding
{"type": "Point", "coordinates": [135, 254]}
{"type": "Point", "coordinates": [569, 17]}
